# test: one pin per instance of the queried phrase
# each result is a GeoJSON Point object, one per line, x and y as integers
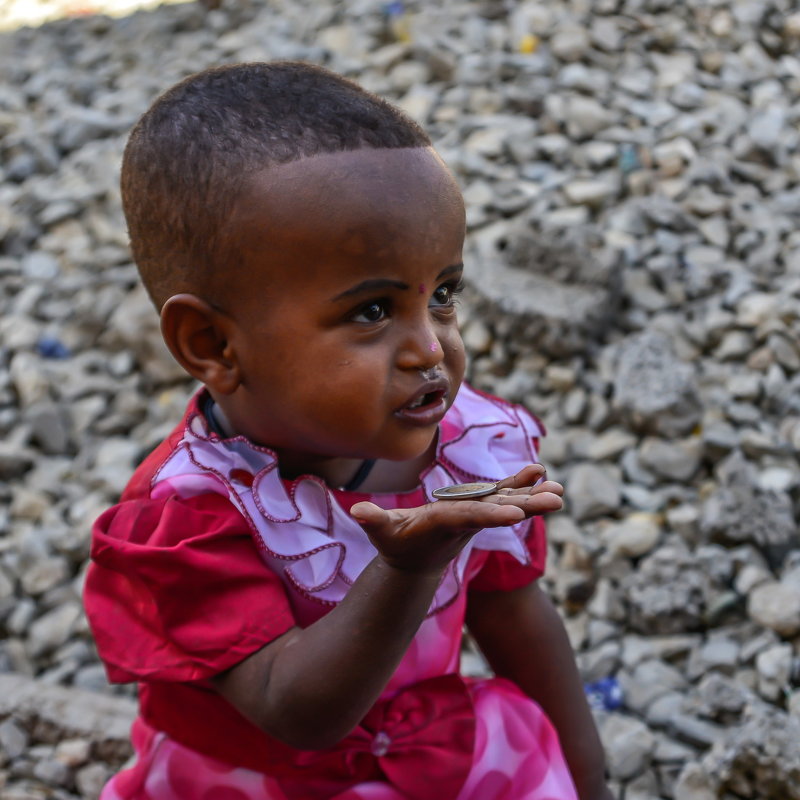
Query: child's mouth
{"type": "Point", "coordinates": [426, 400]}
{"type": "Point", "coordinates": [427, 408]}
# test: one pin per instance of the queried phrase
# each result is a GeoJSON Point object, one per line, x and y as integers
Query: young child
{"type": "Point", "coordinates": [277, 575]}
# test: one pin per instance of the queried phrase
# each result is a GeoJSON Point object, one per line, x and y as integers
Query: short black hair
{"type": "Point", "coordinates": [190, 154]}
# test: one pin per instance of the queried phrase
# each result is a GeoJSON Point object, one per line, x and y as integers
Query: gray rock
{"type": "Point", "coordinates": [634, 536]}
{"type": "Point", "coordinates": [49, 427]}
{"type": "Point", "coordinates": [593, 491]}
{"type": "Point", "coordinates": [694, 731]}
{"type": "Point", "coordinates": [83, 125]}
{"type": "Point", "coordinates": [670, 591]}
{"type": "Point", "coordinates": [721, 698]}
{"type": "Point", "coordinates": [663, 709]}
{"type": "Point", "coordinates": [53, 628]}
{"type": "Point", "coordinates": [585, 116]}
{"type": "Point", "coordinates": [737, 512]}
{"type": "Point", "coordinates": [52, 772]}
{"type": "Point", "coordinates": [73, 752]}
{"type": "Point", "coordinates": [672, 460]}
{"type": "Point", "coordinates": [44, 574]}
{"type": "Point", "coordinates": [557, 288]}
{"type": "Point", "coordinates": [766, 128]}
{"type": "Point", "coordinates": [39, 266]}
{"type": "Point", "coordinates": [695, 784]}
{"type": "Point", "coordinates": [610, 444]}
{"type": "Point", "coordinates": [685, 521]}
{"type": "Point", "coordinates": [718, 652]}
{"type": "Point", "coordinates": [653, 390]}
{"type": "Point", "coordinates": [570, 43]}
{"type": "Point", "coordinates": [759, 758]}
{"type": "Point", "coordinates": [774, 667]}
{"type": "Point", "coordinates": [649, 680]}
{"type": "Point", "coordinates": [91, 779]}
{"type": "Point", "coordinates": [14, 460]}
{"type": "Point", "coordinates": [776, 606]}
{"type": "Point", "coordinates": [630, 746]}
{"type": "Point", "coordinates": [13, 738]}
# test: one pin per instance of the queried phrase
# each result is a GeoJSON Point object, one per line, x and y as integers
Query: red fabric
{"type": "Point", "coordinates": [421, 742]}
{"type": "Point", "coordinates": [177, 590]}
{"type": "Point", "coordinates": [502, 572]}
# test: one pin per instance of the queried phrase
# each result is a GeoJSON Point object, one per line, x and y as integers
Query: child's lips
{"type": "Point", "coordinates": [427, 406]}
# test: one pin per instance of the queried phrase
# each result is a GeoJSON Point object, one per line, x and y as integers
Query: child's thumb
{"type": "Point", "coordinates": [369, 516]}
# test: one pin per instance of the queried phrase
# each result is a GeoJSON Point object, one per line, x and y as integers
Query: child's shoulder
{"type": "Point", "coordinates": [141, 481]}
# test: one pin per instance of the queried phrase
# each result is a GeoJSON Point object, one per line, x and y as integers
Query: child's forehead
{"type": "Point", "coordinates": [333, 176]}
{"type": "Point", "coordinates": [348, 195]}
{"type": "Point", "coordinates": [346, 217]}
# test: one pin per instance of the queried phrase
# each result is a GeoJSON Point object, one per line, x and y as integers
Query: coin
{"type": "Point", "coordinates": [464, 491]}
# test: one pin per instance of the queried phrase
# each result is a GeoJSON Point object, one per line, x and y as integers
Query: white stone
{"type": "Point", "coordinates": [589, 192]}
{"type": "Point", "coordinates": [53, 628]}
{"type": "Point", "coordinates": [635, 536]}
{"type": "Point", "coordinates": [592, 491]}
{"type": "Point", "coordinates": [774, 667]}
{"type": "Point", "coordinates": [570, 43]}
{"type": "Point", "coordinates": [776, 606]}
{"type": "Point", "coordinates": [629, 746]}
{"type": "Point", "coordinates": [694, 784]}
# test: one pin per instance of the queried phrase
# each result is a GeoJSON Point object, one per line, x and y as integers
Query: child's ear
{"type": "Point", "coordinates": [197, 336]}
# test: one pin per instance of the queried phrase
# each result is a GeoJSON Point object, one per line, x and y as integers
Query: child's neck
{"type": "Point", "coordinates": [383, 476]}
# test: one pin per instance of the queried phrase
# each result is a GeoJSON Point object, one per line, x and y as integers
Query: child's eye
{"type": "Point", "coordinates": [445, 295]}
{"type": "Point", "coordinates": [371, 312]}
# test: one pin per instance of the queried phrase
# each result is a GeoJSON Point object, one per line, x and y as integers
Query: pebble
{"type": "Point", "coordinates": [653, 389]}
{"type": "Point", "coordinates": [776, 606]}
{"type": "Point", "coordinates": [632, 746]}
{"type": "Point", "coordinates": [774, 667]}
{"type": "Point", "coordinates": [671, 460]}
{"type": "Point", "coordinates": [634, 536]}
{"type": "Point", "coordinates": [593, 491]}
{"type": "Point", "coordinates": [648, 681]}
{"type": "Point", "coordinates": [13, 738]}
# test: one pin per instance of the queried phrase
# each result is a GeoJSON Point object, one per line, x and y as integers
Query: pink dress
{"type": "Point", "coordinates": [210, 555]}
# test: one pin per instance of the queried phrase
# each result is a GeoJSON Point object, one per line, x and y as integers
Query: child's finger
{"type": "Point", "coordinates": [472, 514]}
{"type": "Point", "coordinates": [545, 486]}
{"type": "Point", "coordinates": [548, 486]}
{"type": "Point", "coordinates": [527, 476]}
{"type": "Point", "coordinates": [534, 503]}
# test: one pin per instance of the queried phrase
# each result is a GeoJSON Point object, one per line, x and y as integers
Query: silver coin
{"type": "Point", "coordinates": [465, 491]}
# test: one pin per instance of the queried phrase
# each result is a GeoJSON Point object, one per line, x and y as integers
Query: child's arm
{"type": "Point", "coordinates": [523, 639]}
{"type": "Point", "coordinates": [311, 686]}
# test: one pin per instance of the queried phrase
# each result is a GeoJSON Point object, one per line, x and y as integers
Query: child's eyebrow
{"type": "Point", "coordinates": [376, 284]}
{"type": "Point", "coordinates": [450, 270]}
{"type": "Point", "coordinates": [372, 285]}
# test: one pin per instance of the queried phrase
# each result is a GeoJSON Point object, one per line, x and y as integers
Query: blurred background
{"type": "Point", "coordinates": [632, 176]}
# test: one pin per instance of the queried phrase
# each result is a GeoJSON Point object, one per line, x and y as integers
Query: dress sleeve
{"type": "Point", "coordinates": [177, 590]}
{"type": "Point", "coordinates": [502, 572]}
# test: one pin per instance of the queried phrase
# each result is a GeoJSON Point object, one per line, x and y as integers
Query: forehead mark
{"type": "Point", "coordinates": [422, 288]}
{"type": "Point", "coordinates": [433, 347]}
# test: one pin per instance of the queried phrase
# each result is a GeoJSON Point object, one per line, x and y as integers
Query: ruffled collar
{"type": "Point", "coordinates": [302, 531]}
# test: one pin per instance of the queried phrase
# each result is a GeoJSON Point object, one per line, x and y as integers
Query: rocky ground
{"type": "Point", "coordinates": [632, 175]}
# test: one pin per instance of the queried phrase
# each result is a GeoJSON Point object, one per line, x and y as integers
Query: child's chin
{"type": "Point", "coordinates": [416, 449]}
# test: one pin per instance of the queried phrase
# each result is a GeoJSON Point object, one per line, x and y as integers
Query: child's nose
{"type": "Point", "coordinates": [421, 348]}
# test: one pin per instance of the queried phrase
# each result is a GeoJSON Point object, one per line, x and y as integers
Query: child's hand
{"type": "Point", "coordinates": [429, 537]}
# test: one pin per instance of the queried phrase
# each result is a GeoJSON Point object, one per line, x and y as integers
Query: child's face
{"type": "Point", "coordinates": [344, 326]}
